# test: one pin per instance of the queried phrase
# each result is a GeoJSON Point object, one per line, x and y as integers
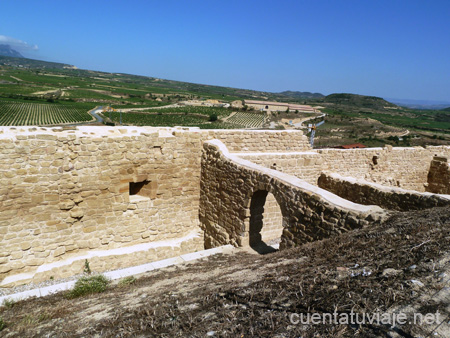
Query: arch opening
{"type": "Point", "coordinates": [266, 222]}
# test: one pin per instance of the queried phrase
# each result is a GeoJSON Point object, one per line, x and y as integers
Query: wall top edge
{"type": "Point", "coordinates": [10, 132]}
{"type": "Point", "coordinates": [296, 182]}
{"type": "Point", "coordinates": [280, 153]}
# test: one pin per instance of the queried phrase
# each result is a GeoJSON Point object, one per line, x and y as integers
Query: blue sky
{"type": "Point", "coordinates": [397, 49]}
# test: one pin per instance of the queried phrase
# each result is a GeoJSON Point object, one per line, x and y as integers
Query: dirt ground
{"type": "Point", "coordinates": [399, 267]}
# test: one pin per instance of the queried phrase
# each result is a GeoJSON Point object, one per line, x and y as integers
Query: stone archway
{"type": "Point", "coordinates": [266, 220]}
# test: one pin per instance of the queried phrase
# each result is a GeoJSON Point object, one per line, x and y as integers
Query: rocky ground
{"type": "Point", "coordinates": [400, 267]}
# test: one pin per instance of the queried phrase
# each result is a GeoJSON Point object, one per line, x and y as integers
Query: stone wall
{"type": "Point", "coordinates": [117, 196]}
{"type": "Point", "coordinates": [272, 227]}
{"type": "Point", "coordinates": [228, 189]}
{"type": "Point", "coordinates": [368, 193]}
{"type": "Point", "coordinates": [439, 176]}
{"type": "Point", "coordinates": [129, 195]}
{"type": "Point", "coordinates": [400, 167]}
{"type": "Point", "coordinates": [64, 194]}
{"type": "Point", "coordinates": [266, 141]}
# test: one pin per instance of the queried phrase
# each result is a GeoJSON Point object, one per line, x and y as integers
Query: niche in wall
{"type": "Point", "coordinates": [144, 188]}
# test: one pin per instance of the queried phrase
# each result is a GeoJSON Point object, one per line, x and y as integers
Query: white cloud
{"type": "Point", "coordinates": [19, 45]}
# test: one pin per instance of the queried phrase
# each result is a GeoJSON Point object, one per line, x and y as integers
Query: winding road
{"type": "Point", "coordinates": [94, 112]}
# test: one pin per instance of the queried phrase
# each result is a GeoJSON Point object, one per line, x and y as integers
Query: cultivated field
{"type": "Point", "coordinates": [73, 92]}
{"type": "Point", "coordinates": [168, 120]}
{"type": "Point", "coordinates": [247, 120]}
{"type": "Point", "coordinates": [31, 114]}
{"type": "Point", "coordinates": [199, 110]}
{"type": "Point", "coordinates": [190, 116]}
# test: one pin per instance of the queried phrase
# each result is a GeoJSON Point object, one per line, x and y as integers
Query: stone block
{"type": "Point", "coordinates": [66, 205]}
{"type": "Point", "coordinates": [59, 251]}
{"type": "Point", "coordinates": [76, 212]}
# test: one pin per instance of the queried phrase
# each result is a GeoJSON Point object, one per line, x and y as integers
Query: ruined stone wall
{"type": "Point", "coordinates": [439, 176]}
{"type": "Point", "coordinates": [116, 196]}
{"type": "Point", "coordinates": [309, 213]}
{"type": "Point", "coordinates": [130, 195]}
{"type": "Point", "coordinates": [368, 193]}
{"type": "Point", "coordinates": [401, 167]}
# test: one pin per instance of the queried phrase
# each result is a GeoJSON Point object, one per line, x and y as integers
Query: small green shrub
{"type": "Point", "coordinates": [127, 281]}
{"type": "Point", "coordinates": [2, 324]}
{"type": "Point", "coordinates": [89, 285]}
{"type": "Point", "coordinates": [9, 303]}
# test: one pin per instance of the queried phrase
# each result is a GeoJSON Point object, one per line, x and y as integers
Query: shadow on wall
{"type": "Point", "coordinates": [266, 223]}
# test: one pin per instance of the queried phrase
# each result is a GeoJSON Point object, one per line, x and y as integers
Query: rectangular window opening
{"type": "Point", "coordinates": [137, 188]}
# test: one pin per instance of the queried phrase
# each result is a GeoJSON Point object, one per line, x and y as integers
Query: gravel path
{"type": "Point", "coordinates": [31, 286]}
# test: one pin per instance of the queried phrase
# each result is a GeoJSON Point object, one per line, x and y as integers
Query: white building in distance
{"type": "Point", "coordinates": [278, 106]}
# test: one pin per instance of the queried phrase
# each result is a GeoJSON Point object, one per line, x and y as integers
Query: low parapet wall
{"type": "Point", "coordinates": [368, 193]}
{"type": "Point", "coordinates": [229, 183]}
{"type": "Point", "coordinates": [261, 140]}
{"type": "Point", "coordinates": [406, 168]}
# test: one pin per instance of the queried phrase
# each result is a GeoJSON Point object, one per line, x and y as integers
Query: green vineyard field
{"type": "Point", "coordinates": [197, 117]}
{"type": "Point", "coordinates": [168, 120]}
{"type": "Point", "coordinates": [247, 120]}
{"type": "Point", "coordinates": [39, 114]}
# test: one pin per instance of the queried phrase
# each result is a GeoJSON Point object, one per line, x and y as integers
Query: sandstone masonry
{"type": "Point", "coordinates": [131, 195]}
{"type": "Point", "coordinates": [115, 196]}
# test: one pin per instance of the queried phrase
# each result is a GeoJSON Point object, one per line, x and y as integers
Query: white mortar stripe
{"type": "Point", "coordinates": [101, 253]}
{"type": "Point", "coordinates": [117, 274]}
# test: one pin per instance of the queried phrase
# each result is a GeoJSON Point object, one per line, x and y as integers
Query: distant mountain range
{"type": "Point", "coordinates": [30, 63]}
{"type": "Point", "coordinates": [6, 50]}
{"type": "Point", "coordinates": [420, 104]}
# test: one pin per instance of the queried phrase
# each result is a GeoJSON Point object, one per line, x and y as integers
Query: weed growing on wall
{"type": "Point", "coordinates": [87, 268]}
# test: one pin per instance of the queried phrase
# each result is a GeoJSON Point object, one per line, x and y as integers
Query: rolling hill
{"type": "Point", "coordinates": [358, 100]}
{"type": "Point", "coordinates": [301, 95]}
